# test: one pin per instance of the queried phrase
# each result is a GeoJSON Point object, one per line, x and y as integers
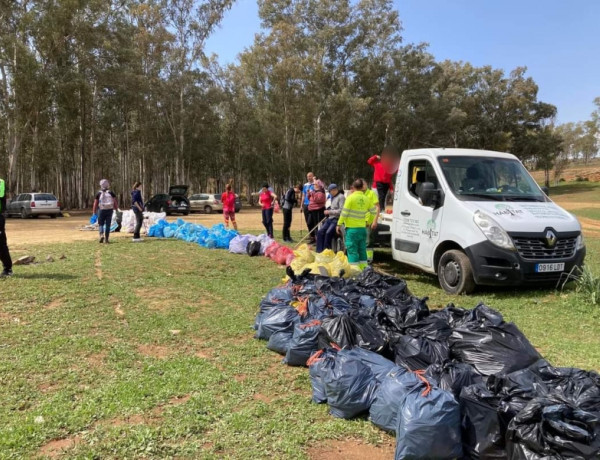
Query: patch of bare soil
{"type": "Point", "coordinates": [57, 447]}
{"type": "Point", "coordinates": [119, 310]}
{"type": "Point", "coordinates": [97, 359]}
{"type": "Point", "coordinates": [155, 351]}
{"type": "Point", "coordinates": [22, 233]}
{"type": "Point", "coordinates": [352, 450]}
{"type": "Point", "coordinates": [571, 206]}
{"type": "Point", "coordinates": [54, 304]}
{"type": "Point", "coordinates": [262, 398]}
{"type": "Point", "coordinates": [98, 265]}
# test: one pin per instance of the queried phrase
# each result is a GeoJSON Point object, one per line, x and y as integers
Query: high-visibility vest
{"type": "Point", "coordinates": [356, 210]}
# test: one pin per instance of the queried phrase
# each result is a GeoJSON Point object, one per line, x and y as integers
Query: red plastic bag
{"type": "Point", "coordinates": [272, 250]}
{"type": "Point", "coordinates": [276, 208]}
{"type": "Point", "coordinates": [282, 254]}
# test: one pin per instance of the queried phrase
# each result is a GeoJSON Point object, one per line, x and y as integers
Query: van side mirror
{"type": "Point", "coordinates": [546, 190]}
{"type": "Point", "coordinates": [429, 195]}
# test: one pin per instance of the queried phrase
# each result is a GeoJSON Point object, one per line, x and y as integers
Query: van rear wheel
{"type": "Point", "coordinates": [455, 273]}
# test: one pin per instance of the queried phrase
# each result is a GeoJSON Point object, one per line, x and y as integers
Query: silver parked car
{"type": "Point", "coordinates": [34, 205]}
{"type": "Point", "coordinates": [208, 203]}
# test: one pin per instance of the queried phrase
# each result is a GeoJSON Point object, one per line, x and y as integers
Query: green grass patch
{"type": "Point", "coordinates": [576, 191]}
{"type": "Point", "coordinates": [146, 350]}
{"type": "Point", "coordinates": [590, 213]}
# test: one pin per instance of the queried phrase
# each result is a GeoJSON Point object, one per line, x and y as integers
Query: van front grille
{"type": "Point", "coordinates": [536, 248]}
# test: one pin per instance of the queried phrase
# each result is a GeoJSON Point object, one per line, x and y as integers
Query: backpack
{"type": "Point", "coordinates": [106, 200]}
{"type": "Point", "coordinates": [253, 248]}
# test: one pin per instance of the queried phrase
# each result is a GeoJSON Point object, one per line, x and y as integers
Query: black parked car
{"type": "Point", "coordinates": [174, 202]}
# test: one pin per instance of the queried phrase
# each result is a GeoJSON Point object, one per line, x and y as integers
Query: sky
{"type": "Point", "coordinates": [557, 40]}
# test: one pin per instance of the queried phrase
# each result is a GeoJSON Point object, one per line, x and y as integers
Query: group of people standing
{"type": "Point", "coordinates": [354, 215]}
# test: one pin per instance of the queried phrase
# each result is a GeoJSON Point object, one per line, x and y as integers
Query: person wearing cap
{"type": "Point", "coordinates": [4, 252]}
{"type": "Point", "coordinates": [105, 203]}
{"type": "Point", "coordinates": [327, 231]}
{"type": "Point", "coordinates": [267, 203]}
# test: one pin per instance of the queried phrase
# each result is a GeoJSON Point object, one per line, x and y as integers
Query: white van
{"type": "Point", "coordinates": [477, 217]}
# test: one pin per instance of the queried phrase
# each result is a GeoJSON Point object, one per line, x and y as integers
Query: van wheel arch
{"type": "Point", "coordinates": [441, 249]}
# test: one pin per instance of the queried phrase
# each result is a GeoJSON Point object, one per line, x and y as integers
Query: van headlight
{"type": "Point", "coordinates": [493, 231]}
{"type": "Point", "coordinates": [580, 243]}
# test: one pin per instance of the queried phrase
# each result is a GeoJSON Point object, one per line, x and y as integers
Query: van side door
{"type": "Point", "coordinates": [416, 227]}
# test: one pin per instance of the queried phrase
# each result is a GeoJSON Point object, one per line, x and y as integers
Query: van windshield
{"type": "Point", "coordinates": [498, 179]}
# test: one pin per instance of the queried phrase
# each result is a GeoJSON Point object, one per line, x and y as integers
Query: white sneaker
{"type": "Point", "coordinates": [137, 240]}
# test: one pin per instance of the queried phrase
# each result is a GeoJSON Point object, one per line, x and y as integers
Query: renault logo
{"type": "Point", "coordinates": [550, 239]}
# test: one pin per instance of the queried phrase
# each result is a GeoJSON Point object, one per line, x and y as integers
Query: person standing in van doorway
{"type": "Point", "coordinates": [106, 203]}
{"type": "Point", "coordinates": [384, 167]}
{"type": "Point", "coordinates": [308, 187]}
{"type": "Point", "coordinates": [137, 206]}
{"type": "Point", "coordinates": [228, 200]}
{"type": "Point", "coordinates": [4, 252]}
{"type": "Point", "coordinates": [289, 201]}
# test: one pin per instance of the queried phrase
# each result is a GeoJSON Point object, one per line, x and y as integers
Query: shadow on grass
{"type": "Point", "coordinates": [384, 261]}
{"type": "Point", "coordinates": [45, 276]}
{"type": "Point", "coordinates": [572, 188]}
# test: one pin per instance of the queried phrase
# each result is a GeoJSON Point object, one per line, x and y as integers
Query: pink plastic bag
{"type": "Point", "coordinates": [282, 254]}
{"type": "Point", "coordinates": [272, 250]}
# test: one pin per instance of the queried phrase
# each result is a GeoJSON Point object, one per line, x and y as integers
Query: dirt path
{"type": "Point", "coordinates": [25, 232]}
{"type": "Point", "coordinates": [22, 233]}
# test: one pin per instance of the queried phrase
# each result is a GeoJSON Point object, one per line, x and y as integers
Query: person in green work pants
{"type": "Point", "coordinates": [354, 217]}
{"type": "Point", "coordinates": [4, 253]}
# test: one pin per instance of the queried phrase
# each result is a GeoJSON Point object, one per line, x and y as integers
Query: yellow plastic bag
{"type": "Point", "coordinates": [325, 257]}
{"type": "Point", "coordinates": [339, 263]}
{"type": "Point", "coordinates": [304, 255]}
{"type": "Point", "coordinates": [318, 269]}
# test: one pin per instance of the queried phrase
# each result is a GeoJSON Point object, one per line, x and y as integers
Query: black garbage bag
{"type": "Point", "coordinates": [253, 248]}
{"type": "Point", "coordinates": [350, 387]}
{"type": "Point", "coordinates": [318, 364]}
{"type": "Point", "coordinates": [392, 390]}
{"type": "Point", "coordinates": [482, 434]}
{"type": "Point", "coordinates": [338, 330]}
{"type": "Point", "coordinates": [553, 427]}
{"type": "Point", "coordinates": [303, 344]}
{"type": "Point", "coordinates": [452, 376]}
{"type": "Point", "coordinates": [417, 353]}
{"type": "Point", "coordinates": [368, 304]}
{"type": "Point", "coordinates": [275, 298]}
{"type": "Point", "coordinates": [455, 316]}
{"type": "Point", "coordinates": [580, 386]}
{"type": "Point", "coordinates": [397, 316]}
{"type": "Point", "coordinates": [433, 327]}
{"type": "Point", "coordinates": [279, 341]}
{"type": "Point", "coordinates": [487, 409]}
{"type": "Point", "coordinates": [281, 318]}
{"type": "Point", "coordinates": [491, 345]}
{"type": "Point", "coordinates": [376, 284]}
{"type": "Point", "coordinates": [368, 333]}
{"type": "Point", "coordinates": [379, 365]}
{"type": "Point", "coordinates": [335, 305]}
{"type": "Point", "coordinates": [428, 425]}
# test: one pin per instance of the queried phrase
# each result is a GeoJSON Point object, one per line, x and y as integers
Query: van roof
{"type": "Point", "coordinates": [442, 152]}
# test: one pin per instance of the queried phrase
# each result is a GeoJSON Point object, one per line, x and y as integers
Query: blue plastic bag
{"type": "Point", "coordinates": [350, 387]}
{"type": "Point", "coordinates": [394, 387]}
{"type": "Point", "coordinates": [428, 425]}
{"type": "Point", "coordinates": [379, 365]}
{"type": "Point", "coordinates": [277, 319]}
{"type": "Point", "coordinates": [318, 364]}
{"type": "Point", "coordinates": [279, 341]}
{"type": "Point", "coordinates": [303, 344]}
{"type": "Point", "coordinates": [94, 219]}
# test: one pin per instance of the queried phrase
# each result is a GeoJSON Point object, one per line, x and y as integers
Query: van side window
{"type": "Point", "coordinates": [420, 171]}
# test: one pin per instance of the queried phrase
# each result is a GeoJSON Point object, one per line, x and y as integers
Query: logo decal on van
{"type": "Point", "coordinates": [507, 210]}
{"type": "Point", "coordinates": [430, 229]}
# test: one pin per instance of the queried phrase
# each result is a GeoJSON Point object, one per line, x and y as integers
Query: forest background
{"type": "Point", "coordinates": [123, 89]}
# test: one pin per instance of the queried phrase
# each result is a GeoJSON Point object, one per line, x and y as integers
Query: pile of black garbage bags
{"type": "Point", "coordinates": [451, 384]}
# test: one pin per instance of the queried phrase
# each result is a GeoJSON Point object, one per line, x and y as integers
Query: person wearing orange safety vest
{"type": "Point", "coordinates": [4, 253]}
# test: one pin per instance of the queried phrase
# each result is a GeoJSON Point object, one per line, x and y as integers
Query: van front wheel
{"type": "Point", "coordinates": [455, 273]}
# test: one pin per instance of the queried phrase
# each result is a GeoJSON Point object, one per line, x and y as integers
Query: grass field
{"type": "Point", "coordinates": [128, 351]}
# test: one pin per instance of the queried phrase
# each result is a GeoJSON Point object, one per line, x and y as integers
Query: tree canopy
{"type": "Point", "coordinates": [123, 89]}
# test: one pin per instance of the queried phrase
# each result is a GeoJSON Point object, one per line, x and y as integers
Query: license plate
{"type": "Point", "coordinates": [543, 268]}
{"type": "Point", "coordinates": [183, 208]}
